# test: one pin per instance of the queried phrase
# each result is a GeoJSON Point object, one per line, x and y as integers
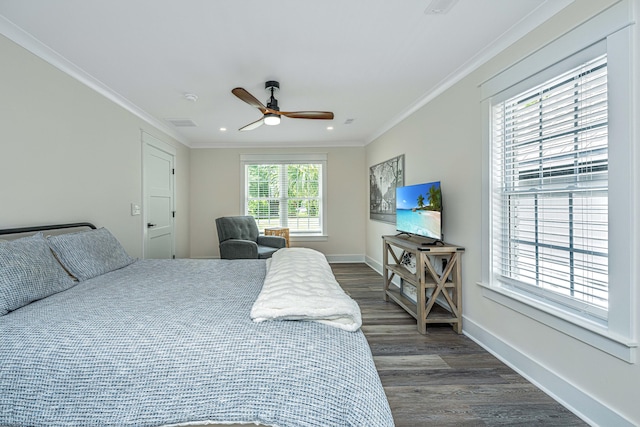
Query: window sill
{"type": "Point", "coordinates": [309, 238]}
{"type": "Point", "coordinates": [591, 333]}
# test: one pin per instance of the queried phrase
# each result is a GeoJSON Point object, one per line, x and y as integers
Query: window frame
{"type": "Point", "coordinates": [616, 334]}
{"type": "Point", "coordinates": [283, 159]}
{"type": "Point", "coordinates": [547, 191]}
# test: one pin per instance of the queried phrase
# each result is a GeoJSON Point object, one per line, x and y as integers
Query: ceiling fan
{"type": "Point", "coordinates": [271, 113]}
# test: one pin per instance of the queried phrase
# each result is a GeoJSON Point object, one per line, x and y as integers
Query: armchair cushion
{"type": "Point", "coordinates": [273, 241]}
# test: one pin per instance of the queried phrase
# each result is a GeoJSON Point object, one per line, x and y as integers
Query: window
{"type": "Point", "coordinates": [285, 191]}
{"type": "Point", "coordinates": [550, 186]}
{"type": "Point", "coordinates": [559, 233]}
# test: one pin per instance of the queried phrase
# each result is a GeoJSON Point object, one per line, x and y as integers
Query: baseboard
{"type": "Point", "coordinates": [577, 401]}
{"type": "Point", "coordinates": [377, 266]}
{"type": "Point", "coordinates": [337, 259]}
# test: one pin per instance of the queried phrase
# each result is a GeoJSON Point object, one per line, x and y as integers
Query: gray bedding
{"type": "Point", "coordinates": [165, 342]}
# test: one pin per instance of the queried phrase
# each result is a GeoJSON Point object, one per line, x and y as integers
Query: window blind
{"type": "Point", "coordinates": [550, 189]}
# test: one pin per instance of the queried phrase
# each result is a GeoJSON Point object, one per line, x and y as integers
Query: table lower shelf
{"type": "Point", "coordinates": [438, 314]}
{"type": "Point", "coordinates": [406, 303]}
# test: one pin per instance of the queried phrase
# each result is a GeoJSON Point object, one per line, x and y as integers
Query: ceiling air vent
{"type": "Point", "coordinates": [182, 123]}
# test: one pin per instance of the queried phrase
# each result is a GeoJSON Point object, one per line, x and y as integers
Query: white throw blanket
{"type": "Point", "coordinates": [300, 285]}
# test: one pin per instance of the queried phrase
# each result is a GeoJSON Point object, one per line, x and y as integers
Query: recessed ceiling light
{"type": "Point", "coordinates": [329, 127]}
{"type": "Point", "coordinates": [223, 129]}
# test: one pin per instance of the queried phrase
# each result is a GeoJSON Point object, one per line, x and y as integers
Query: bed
{"type": "Point", "coordinates": [127, 342]}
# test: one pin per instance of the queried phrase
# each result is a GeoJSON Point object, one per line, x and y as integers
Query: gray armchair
{"type": "Point", "coordinates": [239, 239]}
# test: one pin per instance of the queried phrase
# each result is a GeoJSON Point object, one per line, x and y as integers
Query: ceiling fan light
{"type": "Point", "coordinates": [271, 119]}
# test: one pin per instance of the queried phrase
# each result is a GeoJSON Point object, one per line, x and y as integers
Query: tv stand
{"type": "Point", "coordinates": [429, 284]}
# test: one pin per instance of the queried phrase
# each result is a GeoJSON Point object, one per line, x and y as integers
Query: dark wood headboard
{"type": "Point", "coordinates": [37, 228]}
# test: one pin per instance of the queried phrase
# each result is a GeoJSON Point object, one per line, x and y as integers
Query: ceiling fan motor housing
{"type": "Point", "coordinates": [272, 86]}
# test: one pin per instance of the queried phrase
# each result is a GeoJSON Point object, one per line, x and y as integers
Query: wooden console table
{"type": "Point", "coordinates": [429, 284]}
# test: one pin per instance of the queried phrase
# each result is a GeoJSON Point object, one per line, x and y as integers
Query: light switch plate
{"type": "Point", "coordinates": [135, 209]}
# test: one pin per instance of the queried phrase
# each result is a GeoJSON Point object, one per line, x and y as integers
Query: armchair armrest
{"type": "Point", "coordinates": [272, 241]}
{"type": "Point", "coordinates": [237, 249]}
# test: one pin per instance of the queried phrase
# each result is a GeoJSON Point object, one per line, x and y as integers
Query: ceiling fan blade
{"type": "Point", "coordinates": [318, 115]}
{"type": "Point", "coordinates": [252, 126]}
{"type": "Point", "coordinates": [249, 99]}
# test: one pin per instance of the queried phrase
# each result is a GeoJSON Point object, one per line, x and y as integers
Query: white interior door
{"type": "Point", "coordinates": [159, 203]}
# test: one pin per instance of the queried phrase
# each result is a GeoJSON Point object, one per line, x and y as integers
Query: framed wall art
{"type": "Point", "coordinates": [383, 180]}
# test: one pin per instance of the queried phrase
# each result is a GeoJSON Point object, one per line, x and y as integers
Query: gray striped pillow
{"type": "Point", "coordinates": [29, 272]}
{"type": "Point", "coordinates": [90, 253]}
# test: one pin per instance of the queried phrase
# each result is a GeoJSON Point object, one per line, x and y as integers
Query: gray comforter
{"type": "Point", "coordinates": [163, 342]}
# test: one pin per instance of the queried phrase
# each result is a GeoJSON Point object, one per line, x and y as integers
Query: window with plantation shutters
{"type": "Point", "coordinates": [550, 188]}
{"type": "Point", "coordinates": [285, 191]}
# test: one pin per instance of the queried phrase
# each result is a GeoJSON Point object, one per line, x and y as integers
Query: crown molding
{"type": "Point", "coordinates": [44, 52]}
{"type": "Point", "coordinates": [527, 24]}
{"type": "Point", "coordinates": [301, 144]}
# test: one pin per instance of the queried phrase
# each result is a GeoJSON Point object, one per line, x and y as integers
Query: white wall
{"type": "Point", "coordinates": [68, 154]}
{"type": "Point", "coordinates": [442, 141]}
{"type": "Point", "coordinates": [215, 192]}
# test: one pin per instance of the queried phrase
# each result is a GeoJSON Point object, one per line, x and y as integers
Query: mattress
{"type": "Point", "coordinates": [163, 342]}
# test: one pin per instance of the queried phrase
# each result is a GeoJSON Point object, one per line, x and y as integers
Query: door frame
{"type": "Point", "coordinates": [148, 140]}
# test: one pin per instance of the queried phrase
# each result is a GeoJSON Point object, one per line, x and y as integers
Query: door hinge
{"type": "Point", "coordinates": [173, 171]}
{"type": "Point", "coordinates": [173, 214]}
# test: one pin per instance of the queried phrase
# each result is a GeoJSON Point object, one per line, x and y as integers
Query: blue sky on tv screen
{"type": "Point", "coordinates": [407, 197]}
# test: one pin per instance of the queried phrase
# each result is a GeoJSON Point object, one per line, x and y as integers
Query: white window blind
{"type": "Point", "coordinates": [550, 189]}
{"type": "Point", "coordinates": [285, 194]}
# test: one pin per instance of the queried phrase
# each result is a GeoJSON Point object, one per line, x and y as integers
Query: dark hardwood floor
{"type": "Point", "coordinates": [442, 378]}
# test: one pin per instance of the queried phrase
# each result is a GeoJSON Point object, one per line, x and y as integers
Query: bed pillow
{"type": "Point", "coordinates": [29, 272]}
{"type": "Point", "coordinates": [89, 254]}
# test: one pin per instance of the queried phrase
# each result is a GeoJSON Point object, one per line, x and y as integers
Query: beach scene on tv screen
{"type": "Point", "coordinates": [419, 210]}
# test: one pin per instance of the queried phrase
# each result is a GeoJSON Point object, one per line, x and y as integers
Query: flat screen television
{"type": "Point", "coordinates": [419, 210]}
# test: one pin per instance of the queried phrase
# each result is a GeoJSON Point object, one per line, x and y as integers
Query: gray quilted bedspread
{"type": "Point", "coordinates": [168, 342]}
